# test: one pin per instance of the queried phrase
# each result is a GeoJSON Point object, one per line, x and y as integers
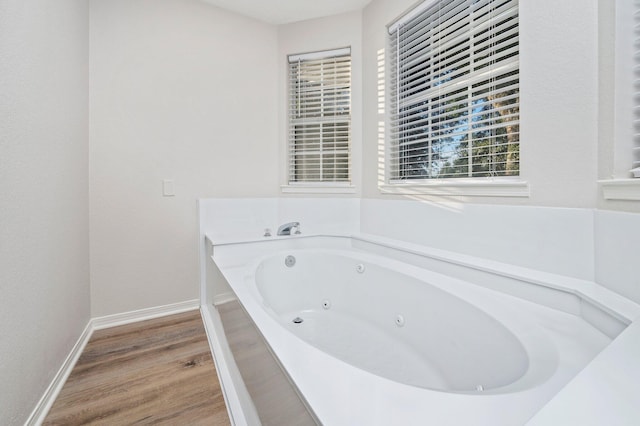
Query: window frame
{"type": "Point", "coordinates": [339, 123]}
{"type": "Point", "coordinates": [626, 144]}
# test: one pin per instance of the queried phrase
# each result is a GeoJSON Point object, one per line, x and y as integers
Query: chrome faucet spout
{"type": "Point", "coordinates": [288, 227]}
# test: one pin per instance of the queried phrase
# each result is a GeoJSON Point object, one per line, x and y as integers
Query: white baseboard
{"type": "Point", "coordinates": [48, 398]}
{"type": "Point", "coordinates": [221, 298]}
{"type": "Point", "coordinates": [115, 320]}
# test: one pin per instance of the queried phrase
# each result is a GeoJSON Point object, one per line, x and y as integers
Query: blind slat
{"type": "Point", "coordinates": [491, 26]}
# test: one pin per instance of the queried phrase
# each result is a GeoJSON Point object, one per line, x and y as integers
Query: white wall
{"type": "Point", "coordinates": [344, 30]}
{"type": "Point", "coordinates": [375, 17]}
{"type": "Point", "coordinates": [179, 90]}
{"type": "Point", "coordinates": [238, 219]}
{"type": "Point", "coordinates": [606, 88]}
{"type": "Point", "coordinates": [44, 227]}
{"type": "Point", "coordinates": [616, 252]}
{"type": "Point", "coordinates": [555, 240]}
{"type": "Point", "coordinates": [559, 99]}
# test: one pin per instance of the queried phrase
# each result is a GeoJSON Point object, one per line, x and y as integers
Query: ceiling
{"type": "Point", "coordinates": [286, 11]}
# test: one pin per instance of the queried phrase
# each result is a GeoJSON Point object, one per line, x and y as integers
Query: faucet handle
{"type": "Point", "coordinates": [298, 230]}
{"type": "Point", "coordinates": [267, 232]}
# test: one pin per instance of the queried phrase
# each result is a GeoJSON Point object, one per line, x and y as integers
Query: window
{"type": "Point", "coordinates": [320, 117]}
{"type": "Point", "coordinates": [454, 91]}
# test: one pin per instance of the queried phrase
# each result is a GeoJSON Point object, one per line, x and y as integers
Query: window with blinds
{"type": "Point", "coordinates": [320, 117]}
{"type": "Point", "coordinates": [454, 89]}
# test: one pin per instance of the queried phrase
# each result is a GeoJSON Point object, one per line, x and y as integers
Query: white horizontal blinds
{"type": "Point", "coordinates": [636, 85]}
{"type": "Point", "coordinates": [320, 117]}
{"type": "Point", "coordinates": [455, 91]}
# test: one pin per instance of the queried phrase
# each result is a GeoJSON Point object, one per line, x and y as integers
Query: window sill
{"type": "Point", "coordinates": [621, 189]}
{"type": "Point", "coordinates": [472, 188]}
{"type": "Point", "coordinates": [324, 188]}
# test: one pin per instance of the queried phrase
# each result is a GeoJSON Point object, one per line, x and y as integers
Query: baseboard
{"type": "Point", "coordinates": [115, 320]}
{"type": "Point", "coordinates": [48, 398]}
{"type": "Point", "coordinates": [221, 298]}
{"type": "Point", "coordinates": [44, 405]}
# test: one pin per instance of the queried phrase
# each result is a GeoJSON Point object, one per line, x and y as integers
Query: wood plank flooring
{"type": "Point", "coordinates": [152, 372]}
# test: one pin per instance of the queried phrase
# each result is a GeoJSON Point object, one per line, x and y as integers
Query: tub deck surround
{"type": "Point", "coordinates": [341, 394]}
{"type": "Point", "coordinates": [604, 393]}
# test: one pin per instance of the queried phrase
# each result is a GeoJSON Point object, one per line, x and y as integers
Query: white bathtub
{"type": "Point", "coordinates": [401, 327]}
{"type": "Point", "coordinates": [385, 341]}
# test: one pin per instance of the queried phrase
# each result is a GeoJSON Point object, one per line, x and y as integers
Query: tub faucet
{"type": "Point", "coordinates": [288, 227]}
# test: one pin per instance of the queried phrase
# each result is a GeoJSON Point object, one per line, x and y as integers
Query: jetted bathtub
{"type": "Point", "coordinates": [375, 338]}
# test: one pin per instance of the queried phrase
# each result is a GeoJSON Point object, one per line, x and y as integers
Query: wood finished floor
{"type": "Point", "coordinates": [152, 372]}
